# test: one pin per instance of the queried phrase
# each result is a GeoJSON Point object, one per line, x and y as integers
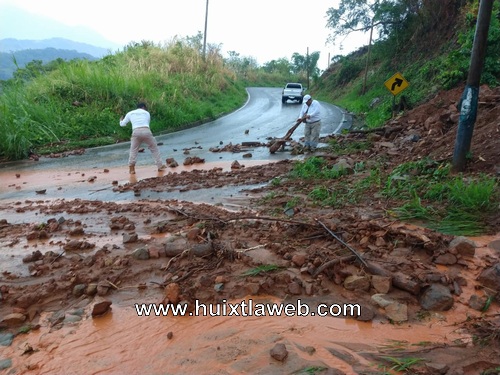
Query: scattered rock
{"type": "Point", "coordinates": [100, 308]}
{"type": "Point", "coordinates": [437, 297]}
{"type": "Point", "coordinates": [490, 277]}
{"type": "Point", "coordinates": [279, 352]}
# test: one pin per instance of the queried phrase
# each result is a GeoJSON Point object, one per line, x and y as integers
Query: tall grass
{"type": "Point", "coordinates": [82, 101]}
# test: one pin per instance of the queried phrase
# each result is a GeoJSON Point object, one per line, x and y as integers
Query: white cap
{"type": "Point", "coordinates": [307, 97]}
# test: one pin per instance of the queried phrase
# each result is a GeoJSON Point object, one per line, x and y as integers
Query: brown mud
{"type": "Point", "coordinates": [63, 257]}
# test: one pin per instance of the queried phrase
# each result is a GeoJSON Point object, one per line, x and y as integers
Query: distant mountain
{"type": "Point", "coordinates": [14, 45]}
{"type": "Point", "coordinates": [27, 36]}
{"type": "Point", "coordinates": [19, 23]}
{"type": "Point", "coordinates": [8, 60]}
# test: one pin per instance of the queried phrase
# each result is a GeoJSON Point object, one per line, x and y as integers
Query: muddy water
{"type": "Point", "coordinates": [121, 342]}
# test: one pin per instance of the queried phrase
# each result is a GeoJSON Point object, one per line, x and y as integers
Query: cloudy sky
{"type": "Point", "coordinates": [263, 29]}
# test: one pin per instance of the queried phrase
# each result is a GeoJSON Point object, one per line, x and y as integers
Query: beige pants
{"type": "Point", "coordinates": [139, 136]}
{"type": "Point", "coordinates": [311, 134]}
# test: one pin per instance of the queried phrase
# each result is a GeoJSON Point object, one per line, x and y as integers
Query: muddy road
{"type": "Point", "coordinates": [263, 117]}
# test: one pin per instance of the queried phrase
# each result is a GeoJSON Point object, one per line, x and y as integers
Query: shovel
{"type": "Point", "coordinates": [281, 141]}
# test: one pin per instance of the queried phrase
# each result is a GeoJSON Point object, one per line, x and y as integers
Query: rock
{"type": "Point", "coordinates": [397, 312]}
{"type": "Point", "coordinates": [13, 319]}
{"type": "Point", "coordinates": [464, 246]}
{"type": "Point", "coordinates": [490, 277]}
{"type": "Point", "coordinates": [172, 294]}
{"type": "Point", "coordinates": [366, 314]}
{"type": "Point", "coordinates": [6, 339]}
{"type": "Point", "coordinates": [381, 300]}
{"type": "Point", "coordinates": [279, 352]}
{"type": "Point", "coordinates": [91, 290]}
{"type": "Point", "coordinates": [404, 282]}
{"type": "Point", "coordinates": [79, 290]}
{"type": "Point", "coordinates": [141, 253]}
{"type": "Point", "coordinates": [436, 298]}
{"type": "Point", "coordinates": [477, 302]}
{"type": "Point", "coordinates": [5, 363]}
{"type": "Point", "coordinates": [299, 260]}
{"type": "Point", "coordinates": [495, 245]}
{"type": "Point", "coordinates": [295, 288]}
{"type": "Point", "coordinates": [236, 165]}
{"type": "Point", "coordinates": [437, 368]}
{"type": "Point", "coordinates": [357, 283]}
{"type": "Point", "coordinates": [382, 284]}
{"type": "Point", "coordinates": [33, 257]}
{"type": "Point", "coordinates": [100, 308]}
{"type": "Point", "coordinates": [446, 259]}
{"type": "Point", "coordinates": [130, 237]}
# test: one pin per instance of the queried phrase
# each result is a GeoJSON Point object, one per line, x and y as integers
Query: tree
{"type": "Point", "coordinates": [281, 66]}
{"type": "Point", "coordinates": [388, 15]}
{"type": "Point", "coordinates": [307, 64]}
{"type": "Point", "coordinates": [361, 15]}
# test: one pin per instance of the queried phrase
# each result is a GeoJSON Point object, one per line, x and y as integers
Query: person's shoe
{"type": "Point", "coordinates": [162, 168]}
{"type": "Point", "coordinates": [131, 169]}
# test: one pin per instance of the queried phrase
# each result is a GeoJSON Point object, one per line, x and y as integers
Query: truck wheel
{"type": "Point", "coordinates": [283, 100]}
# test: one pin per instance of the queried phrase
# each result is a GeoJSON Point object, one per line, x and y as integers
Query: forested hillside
{"type": "Point", "coordinates": [429, 43]}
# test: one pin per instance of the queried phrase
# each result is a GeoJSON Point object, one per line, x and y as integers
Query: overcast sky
{"type": "Point", "coordinates": [263, 29]}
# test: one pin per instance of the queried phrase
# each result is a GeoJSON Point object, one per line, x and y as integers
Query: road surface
{"type": "Point", "coordinates": [262, 117]}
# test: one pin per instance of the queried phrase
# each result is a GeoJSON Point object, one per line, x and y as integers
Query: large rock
{"type": "Point", "coordinates": [436, 298]}
{"type": "Point", "coordinates": [463, 246]}
{"type": "Point", "coordinates": [490, 277]}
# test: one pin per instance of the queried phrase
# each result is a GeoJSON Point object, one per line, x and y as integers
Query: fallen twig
{"type": "Point", "coordinates": [332, 263]}
{"type": "Point", "coordinates": [360, 258]}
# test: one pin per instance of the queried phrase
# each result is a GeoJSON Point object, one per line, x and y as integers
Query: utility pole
{"type": "Point", "coordinates": [205, 34]}
{"type": "Point", "coordinates": [307, 67]}
{"type": "Point", "coordinates": [469, 99]}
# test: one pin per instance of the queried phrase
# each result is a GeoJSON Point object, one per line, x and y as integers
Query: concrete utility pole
{"type": "Point", "coordinates": [468, 102]}
{"type": "Point", "coordinates": [205, 34]}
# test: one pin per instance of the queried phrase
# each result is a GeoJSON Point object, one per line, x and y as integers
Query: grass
{"type": "Point", "coordinates": [79, 103]}
{"type": "Point", "coordinates": [259, 270]}
{"type": "Point", "coordinates": [403, 364]}
{"type": "Point", "coordinates": [423, 191]}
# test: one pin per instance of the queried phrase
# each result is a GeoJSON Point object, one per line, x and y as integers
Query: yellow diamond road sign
{"type": "Point", "coordinates": [396, 84]}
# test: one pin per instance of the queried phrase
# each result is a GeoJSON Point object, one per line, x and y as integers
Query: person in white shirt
{"type": "Point", "coordinates": [141, 133]}
{"type": "Point", "coordinates": [310, 114]}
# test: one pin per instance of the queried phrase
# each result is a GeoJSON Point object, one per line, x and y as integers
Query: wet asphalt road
{"type": "Point", "coordinates": [263, 116]}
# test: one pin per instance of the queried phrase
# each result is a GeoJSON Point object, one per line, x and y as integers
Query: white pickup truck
{"type": "Point", "coordinates": [292, 91]}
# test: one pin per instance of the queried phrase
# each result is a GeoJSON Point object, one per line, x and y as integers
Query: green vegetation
{"type": "Point", "coordinates": [78, 103]}
{"type": "Point", "coordinates": [403, 364]}
{"type": "Point", "coordinates": [259, 270]}
{"type": "Point", "coordinates": [410, 42]}
{"type": "Point", "coordinates": [423, 191]}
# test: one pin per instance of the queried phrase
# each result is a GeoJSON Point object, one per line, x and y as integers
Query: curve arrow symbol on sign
{"type": "Point", "coordinates": [397, 82]}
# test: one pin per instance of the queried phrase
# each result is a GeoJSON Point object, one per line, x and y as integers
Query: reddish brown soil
{"type": "Point", "coordinates": [215, 247]}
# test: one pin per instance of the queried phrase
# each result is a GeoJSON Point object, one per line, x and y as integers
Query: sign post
{"type": "Point", "coordinates": [396, 84]}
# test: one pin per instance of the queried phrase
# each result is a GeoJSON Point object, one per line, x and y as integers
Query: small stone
{"type": "Point", "coordinates": [279, 352]}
